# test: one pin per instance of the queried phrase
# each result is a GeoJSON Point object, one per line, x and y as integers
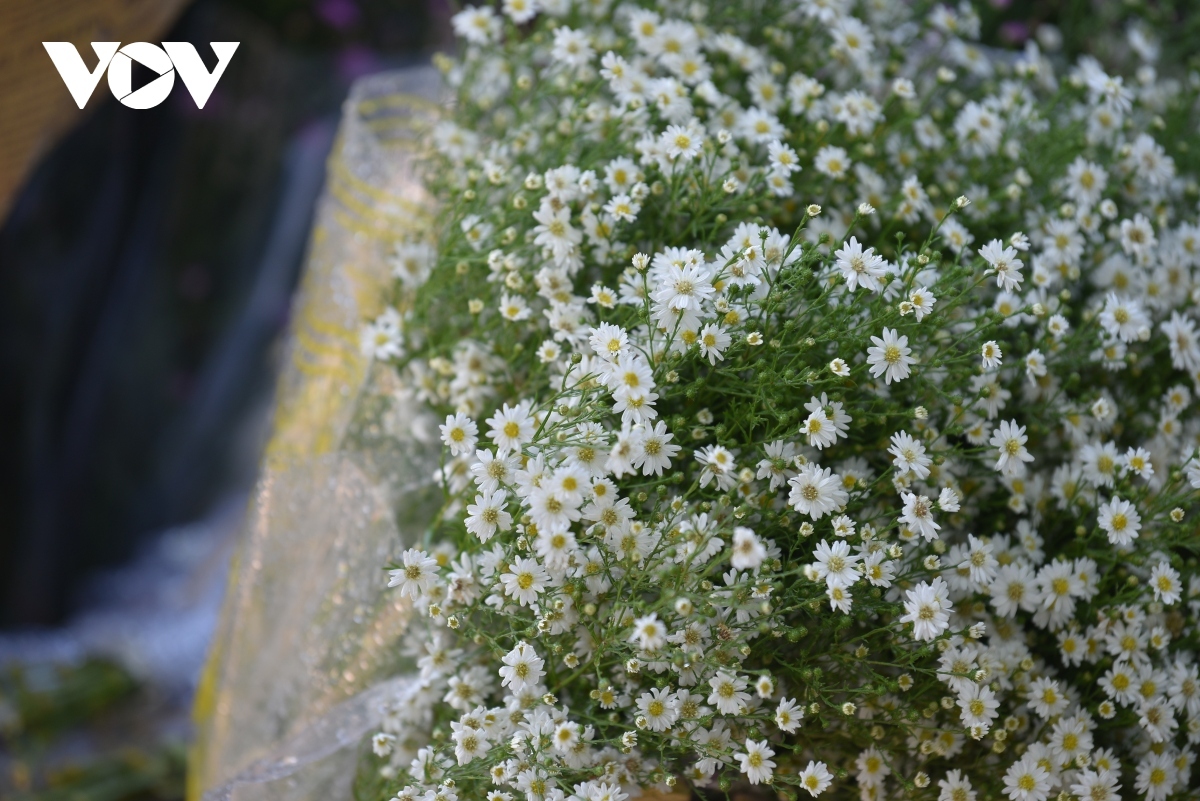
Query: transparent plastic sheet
{"type": "Point", "coordinates": [305, 655]}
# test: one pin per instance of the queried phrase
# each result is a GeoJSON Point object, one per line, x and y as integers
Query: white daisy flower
{"type": "Point", "coordinates": [649, 633]}
{"type": "Point", "coordinates": [416, 575]}
{"type": "Point", "coordinates": [788, 715]}
{"type": "Point", "coordinates": [522, 668]}
{"type": "Point", "coordinates": [1026, 780]}
{"type": "Point", "coordinates": [487, 515]}
{"type": "Point", "coordinates": [834, 564]}
{"type": "Point", "coordinates": [815, 778]}
{"type": "Point", "coordinates": [713, 340]}
{"type": "Point", "coordinates": [1164, 580]}
{"type": "Point", "coordinates": [859, 267]}
{"type": "Point", "coordinates": [890, 356]}
{"type": "Point", "coordinates": [748, 550]}
{"type": "Point", "coordinates": [977, 706]}
{"type": "Point", "coordinates": [1010, 439]}
{"type": "Point", "coordinates": [927, 606]}
{"type": "Point", "coordinates": [1046, 697]}
{"type": "Point", "coordinates": [955, 787]}
{"type": "Point", "coordinates": [525, 580]}
{"type": "Point", "coordinates": [459, 434]}
{"type": "Point", "coordinates": [832, 161]}
{"type": "Point", "coordinates": [816, 491]}
{"type": "Point", "coordinates": [992, 355]}
{"type": "Point", "coordinates": [728, 693]}
{"type": "Point", "coordinates": [908, 455]}
{"type": "Point", "coordinates": [1003, 260]}
{"type": "Point", "coordinates": [659, 707]}
{"type": "Point", "coordinates": [477, 24]}
{"type": "Point", "coordinates": [756, 762]}
{"type": "Point", "coordinates": [918, 515]}
{"type": "Point", "coordinates": [1120, 521]}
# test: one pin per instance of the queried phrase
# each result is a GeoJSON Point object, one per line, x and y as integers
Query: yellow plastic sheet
{"type": "Point", "coordinates": [306, 652]}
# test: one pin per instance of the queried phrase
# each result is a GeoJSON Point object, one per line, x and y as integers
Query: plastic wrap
{"type": "Point", "coordinates": [305, 655]}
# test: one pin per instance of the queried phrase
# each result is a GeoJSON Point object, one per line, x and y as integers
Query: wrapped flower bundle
{"type": "Point", "coordinates": [817, 397]}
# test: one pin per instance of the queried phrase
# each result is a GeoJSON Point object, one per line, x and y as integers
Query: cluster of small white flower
{"type": "Point", "coordinates": [656, 401]}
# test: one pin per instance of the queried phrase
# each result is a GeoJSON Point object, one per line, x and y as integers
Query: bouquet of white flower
{"type": "Point", "coordinates": [818, 412]}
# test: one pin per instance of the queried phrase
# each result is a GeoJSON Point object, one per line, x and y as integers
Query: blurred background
{"type": "Point", "coordinates": [147, 262]}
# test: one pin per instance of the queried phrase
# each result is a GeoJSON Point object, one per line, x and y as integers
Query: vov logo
{"type": "Point", "coordinates": [165, 61]}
